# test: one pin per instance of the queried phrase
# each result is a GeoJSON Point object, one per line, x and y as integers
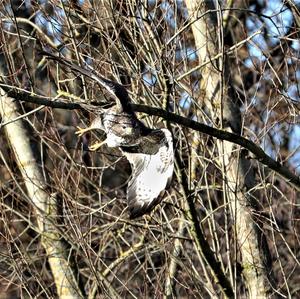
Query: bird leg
{"type": "Point", "coordinates": [96, 145]}
{"type": "Point", "coordinates": [81, 131]}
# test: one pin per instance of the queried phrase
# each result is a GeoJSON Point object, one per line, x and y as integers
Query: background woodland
{"type": "Point", "coordinates": [228, 226]}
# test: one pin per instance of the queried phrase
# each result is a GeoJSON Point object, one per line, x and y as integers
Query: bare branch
{"type": "Point", "coordinates": [257, 151]}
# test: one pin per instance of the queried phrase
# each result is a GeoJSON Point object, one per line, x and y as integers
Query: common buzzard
{"type": "Point", "coordinates": [149, 151]}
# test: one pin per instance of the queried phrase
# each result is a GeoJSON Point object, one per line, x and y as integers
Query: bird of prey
{"type": "Point", "coordinates": [149, 151]}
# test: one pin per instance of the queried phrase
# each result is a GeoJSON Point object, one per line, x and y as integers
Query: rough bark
{"type": "Point", "coordinates": [238, 173]}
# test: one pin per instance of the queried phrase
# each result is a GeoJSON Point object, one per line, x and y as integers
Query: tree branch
{"type": "Point", "coordinates": [259, 154]}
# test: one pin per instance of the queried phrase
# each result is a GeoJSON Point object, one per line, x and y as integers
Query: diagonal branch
{"type": "Point", "coordinates": [257, 151]}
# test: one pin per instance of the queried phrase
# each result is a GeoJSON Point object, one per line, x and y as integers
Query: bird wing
{"type": "Point", "coordinates": [151, 174]}
{"type": "Point", "coordinates": [115, 89]}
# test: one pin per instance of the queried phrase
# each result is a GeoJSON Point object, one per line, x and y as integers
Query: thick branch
{"type": "Point", "coordinates": [259, 154]}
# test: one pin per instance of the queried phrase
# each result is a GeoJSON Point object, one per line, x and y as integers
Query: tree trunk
{"type": "Point", "coordinates": [238, 174]}
{"type": "Point", "coordinates": [44, 204]}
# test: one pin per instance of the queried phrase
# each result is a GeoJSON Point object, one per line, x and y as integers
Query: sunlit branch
{"type": "Point", "coordinates": [258, 152]}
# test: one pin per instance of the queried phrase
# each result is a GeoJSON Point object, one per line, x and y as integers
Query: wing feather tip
{"type": "Point", "coordinates": [137, 210]}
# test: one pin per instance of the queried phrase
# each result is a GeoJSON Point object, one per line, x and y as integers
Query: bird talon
{"type": "Point", "coordinates": [81, 131]}
{"type": "Point", "coordinates": [96, 146]}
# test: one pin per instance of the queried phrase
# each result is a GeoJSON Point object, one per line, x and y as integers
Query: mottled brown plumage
{"type": "Point", "coordinates": [149, 151]}
{"type": "Point", "coordinates": [152, 162]}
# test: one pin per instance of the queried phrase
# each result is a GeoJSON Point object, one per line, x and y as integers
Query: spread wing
{"type": "Point", "coordinates": [115, 89]}
{"type": "Point", "coordinates": [151, 174]}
